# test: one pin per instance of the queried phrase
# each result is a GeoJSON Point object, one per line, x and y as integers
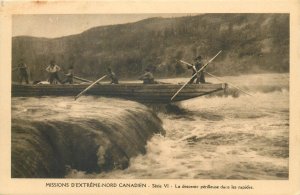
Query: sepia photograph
{"type": "Point", "coordinates": [149, 97]}
{"type": "Point", "coordinates": [163, 96]}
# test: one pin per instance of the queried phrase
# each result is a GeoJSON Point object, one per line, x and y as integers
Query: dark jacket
{"type": "Point", "coordinates": [113, 77]}
{"type": "Point", "coordinates": [147, 78]}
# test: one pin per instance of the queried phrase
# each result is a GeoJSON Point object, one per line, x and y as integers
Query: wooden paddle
{"type": "Point", "coordinates": [195, 74]}
{"type": "Point", "coordinates": [90, 86]}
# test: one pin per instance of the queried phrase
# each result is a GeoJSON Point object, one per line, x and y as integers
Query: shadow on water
{"type": "Point", "coordinates": [177, 112]}
{"type": "Point", "coordinates": [208, 115]}
{"type": "Point", "coordinates": [172, 109]}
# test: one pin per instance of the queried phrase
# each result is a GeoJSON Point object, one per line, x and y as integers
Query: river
{"type": "Point", "coordinates": [233, 136]}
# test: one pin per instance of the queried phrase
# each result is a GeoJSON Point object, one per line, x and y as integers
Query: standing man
{"type": "Point", "coordinates": [147, 77]}
{"type": "Point", "coordinates": [112, 76]}
{"type": "Point", "coordinates": [53, 70]}
{"type": "Point", "coordinates": [23, 72]}
{"type": "Point", "coordinates": [200, 78]}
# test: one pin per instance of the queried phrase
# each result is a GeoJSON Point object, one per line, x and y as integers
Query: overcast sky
{"type": "Point", "coordinates": [47, 25]}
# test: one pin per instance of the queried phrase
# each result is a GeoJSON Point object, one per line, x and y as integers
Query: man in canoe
{"type": "Point", "coordinates": [53, 70]}
{"type": "Point", "coordinates": [112, 76]}
{"type": "Point", "coordinates": [23, 71]}
{"type": "Point", "coordinates": [147, 77]}
{"type": "Point", "coordinates": [197, 66]}
{"type": "Point", "coordinates": [69, 76]}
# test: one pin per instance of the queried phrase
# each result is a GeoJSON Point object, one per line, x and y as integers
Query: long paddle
{"type": "Point", "coordinates": [195, 74]}
{"type": "Point", "coordinates": [90, 86]}
{"type": "Point", "coordinates": [228, 83]}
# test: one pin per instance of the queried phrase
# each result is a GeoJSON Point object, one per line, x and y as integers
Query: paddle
{"type": "Point", "coordinates": [196, 74]}
{"type": "Point", "coordinates": [90, 86]}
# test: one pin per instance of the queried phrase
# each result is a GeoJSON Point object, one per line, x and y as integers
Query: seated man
{"type": "Point", "coordinates": [69, 75]}
{"type": "Point", "coordinates": [147, 77]}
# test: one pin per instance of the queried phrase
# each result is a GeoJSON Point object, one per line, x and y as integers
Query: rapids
{"type": "Point", "coordinates": [51, 136]}
{"type": "Point", "coordinates": [220, 136]}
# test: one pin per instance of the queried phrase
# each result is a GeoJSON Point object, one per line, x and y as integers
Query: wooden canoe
{"type": "Point", "coordinates": [152, 93]}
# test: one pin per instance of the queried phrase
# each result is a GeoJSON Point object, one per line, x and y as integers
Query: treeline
{"type": "Point", "coordinates": [251, 43]}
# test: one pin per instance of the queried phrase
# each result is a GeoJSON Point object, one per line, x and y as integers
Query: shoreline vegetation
{"type": "Point", "coordinates": [251, 44]}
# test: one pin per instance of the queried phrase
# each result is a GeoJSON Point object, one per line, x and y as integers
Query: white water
{"type": "Point", "coordinates": [220, 137]}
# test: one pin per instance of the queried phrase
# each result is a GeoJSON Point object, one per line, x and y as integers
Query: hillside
{"type": "Point", "coordinates": [251, 43]}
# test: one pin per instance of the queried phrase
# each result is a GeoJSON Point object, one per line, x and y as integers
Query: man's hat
{"type": "Point", "coordinates": [198, 58]}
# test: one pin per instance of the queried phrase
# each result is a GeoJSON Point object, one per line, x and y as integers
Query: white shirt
{"type": "Point", "coordinates": [53, 69]}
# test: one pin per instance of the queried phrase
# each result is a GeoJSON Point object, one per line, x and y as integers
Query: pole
{"type": "Point", "coordinates": [229, 83]}
{"type": "Point", "coordinates": [219, 79]}
{"type": "Point", "coordinates": [196, 74]}
{"type": "Point", "coordinates": [90, 86]}
{"type": "Point", "coordinates": [14, 69]}
{"type": "Point", "coordinates": [188, 64]}
{"type": "Point", "coordinates": [82, 79]}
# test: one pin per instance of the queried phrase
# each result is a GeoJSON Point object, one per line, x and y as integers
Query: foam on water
{"type": "Point", "coordinates": [221, 137]}
{"type": "Point", "coordinates": [52, 136]}
{"type": "Point", "coordinates": [231, 136]}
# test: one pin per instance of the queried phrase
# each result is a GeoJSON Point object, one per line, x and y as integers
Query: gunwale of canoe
{"type": "Point", "coordinates": [151, 93]}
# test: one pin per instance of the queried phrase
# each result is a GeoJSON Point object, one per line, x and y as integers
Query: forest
{"type": "Point", "coordinates": [250, 43]}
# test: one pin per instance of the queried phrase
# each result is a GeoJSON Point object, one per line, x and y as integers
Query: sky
{"type": "Point", "coordinates": [54, 25]}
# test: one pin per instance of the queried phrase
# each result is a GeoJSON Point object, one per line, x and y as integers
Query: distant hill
{"type": "Point", "coordinates": [251, 43]}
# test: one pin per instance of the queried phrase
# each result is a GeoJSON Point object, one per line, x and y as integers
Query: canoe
{"type": "Point", "coordinates": [152, 93]}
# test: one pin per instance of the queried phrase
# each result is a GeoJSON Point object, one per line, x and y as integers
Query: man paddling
{"type": "Point", "coordinates": [53, 70]}
{"type": "Point", "coordinates": [112, 76]}
{"type": "Point", "coordinates": [147, 77]}
{"type": "Point", "coordinates": [69, 76]}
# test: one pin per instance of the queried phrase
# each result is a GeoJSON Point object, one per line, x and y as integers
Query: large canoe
{"type": "Point", "coordinates": [156, 93]}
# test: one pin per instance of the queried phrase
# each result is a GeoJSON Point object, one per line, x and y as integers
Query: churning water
{"type": "Point", "coordinates": [232, 136]}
